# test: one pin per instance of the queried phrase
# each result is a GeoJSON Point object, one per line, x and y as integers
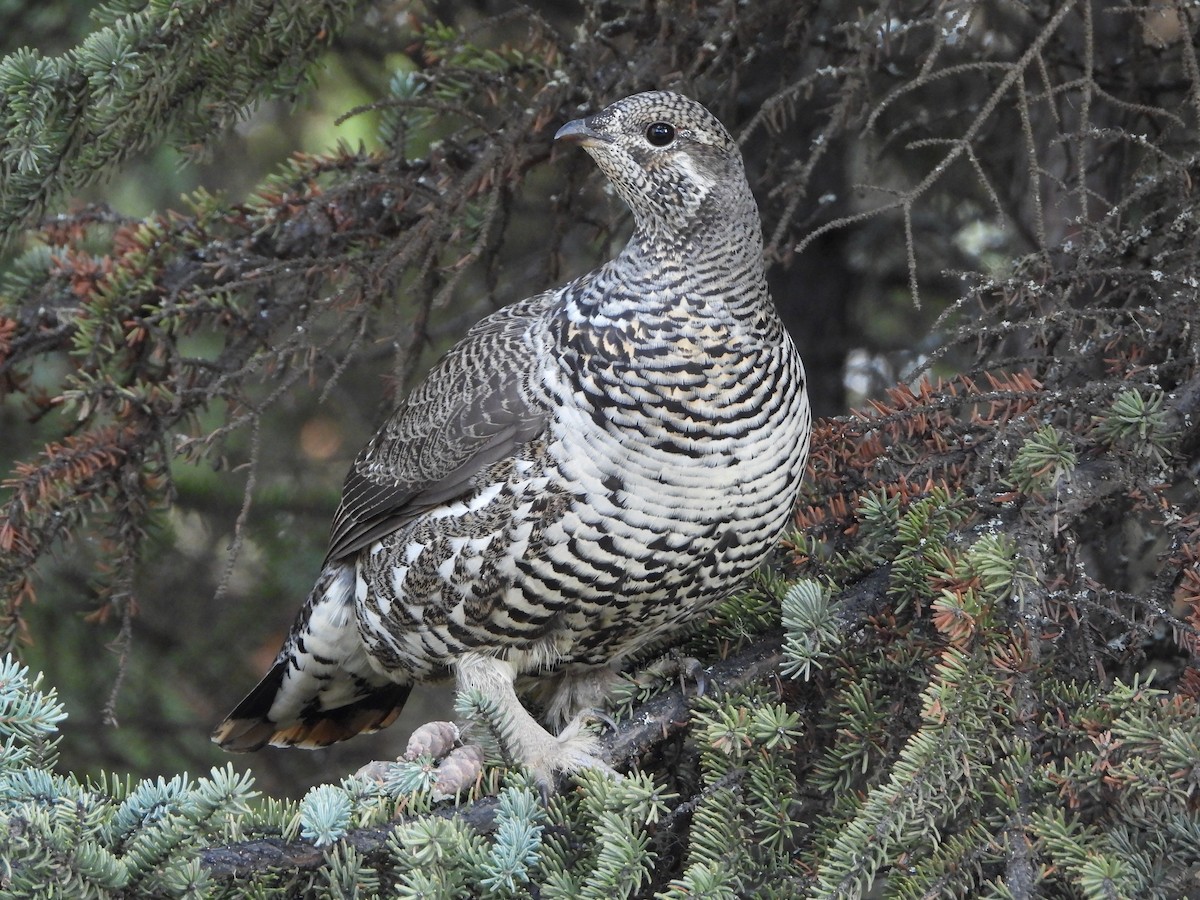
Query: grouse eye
{"type": "Point", "coordinates": [660, 134]}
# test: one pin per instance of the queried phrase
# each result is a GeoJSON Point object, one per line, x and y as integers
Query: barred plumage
{"type": "Point", "coordinates": [585, 472]}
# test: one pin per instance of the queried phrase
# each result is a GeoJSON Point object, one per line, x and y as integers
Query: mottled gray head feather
{"type": "Point", "coordinates": [670, 186]}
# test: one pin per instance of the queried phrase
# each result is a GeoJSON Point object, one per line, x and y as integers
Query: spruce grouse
{"type": "Point", "coordinates": [584, 473]}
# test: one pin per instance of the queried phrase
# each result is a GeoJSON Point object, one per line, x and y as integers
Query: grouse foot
{"type": "Point", "coordinates": [542, 753]}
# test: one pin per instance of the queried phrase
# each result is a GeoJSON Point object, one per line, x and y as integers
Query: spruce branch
{"type": "Point", "coordinates": [655, 722]}
{"type": "Point", "coordinates": [191, 67]}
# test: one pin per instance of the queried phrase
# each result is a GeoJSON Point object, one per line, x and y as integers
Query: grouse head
{"type": "Point", "coordinates": [670, 160]}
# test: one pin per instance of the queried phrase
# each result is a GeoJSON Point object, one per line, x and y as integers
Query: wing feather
{"type": "Point", "coordinates": [477, 406]}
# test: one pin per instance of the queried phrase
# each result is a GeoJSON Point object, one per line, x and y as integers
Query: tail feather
{"type": "Point", "coordinates": [250, 727]}
{"type": "Point", "coordinates": [322, 688]}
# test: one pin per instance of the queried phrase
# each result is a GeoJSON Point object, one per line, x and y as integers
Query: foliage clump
{"type": "Point", "coordinates": [106, 838]}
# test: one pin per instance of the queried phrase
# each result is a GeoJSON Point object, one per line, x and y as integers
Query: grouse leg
{"type": "Point", "coordinates": [545, 754]}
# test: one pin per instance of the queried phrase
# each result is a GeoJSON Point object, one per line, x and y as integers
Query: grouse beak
{"type": "Point", "coordinates": [579, 132]}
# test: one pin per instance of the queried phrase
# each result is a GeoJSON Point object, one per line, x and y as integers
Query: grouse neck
{"type": "Point", "coordinates": [726, 228]}
{"type": "Point", "coordinates": [725, 256]}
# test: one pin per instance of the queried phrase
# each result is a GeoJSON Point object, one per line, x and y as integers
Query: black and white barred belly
{"type": "Point", "coordinates": [654, 493]}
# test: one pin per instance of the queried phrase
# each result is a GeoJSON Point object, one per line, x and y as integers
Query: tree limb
{"type": "Point", "coordinates": [658, 720]}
